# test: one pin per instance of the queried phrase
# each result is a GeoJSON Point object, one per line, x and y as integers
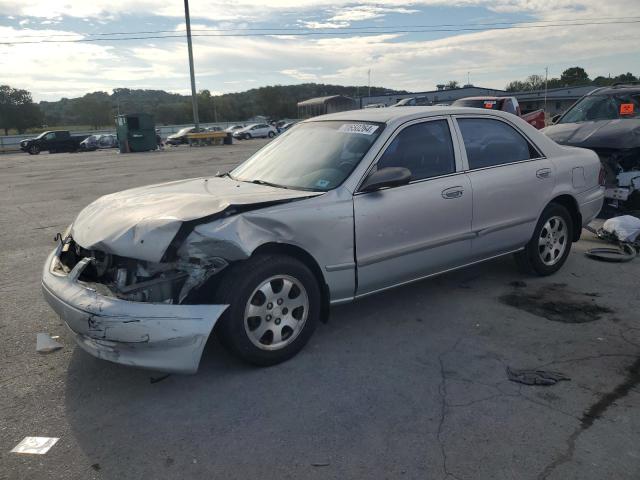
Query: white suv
{"type": "Point", "coordinates": [256, 130]}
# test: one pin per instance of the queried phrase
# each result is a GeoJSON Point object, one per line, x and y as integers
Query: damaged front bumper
{"type": "Point", "coordinates": [157, 336]}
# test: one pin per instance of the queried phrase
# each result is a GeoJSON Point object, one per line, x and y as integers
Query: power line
{"type": "Point", "coordinates": [285, 32]}
{"type": "Point", "coordinates": [330, 30]}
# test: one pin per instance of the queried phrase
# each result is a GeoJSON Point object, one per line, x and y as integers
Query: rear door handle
{"type": "Point", "coordinates": [452, 192]}
{"type": "Point", "coordinates": [543, 173]}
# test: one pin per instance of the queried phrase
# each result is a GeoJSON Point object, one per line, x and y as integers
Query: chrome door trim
{"type": "Point", "coordinates": [504, 226]}
{"type": "Point", "coordinates": [339, 266]}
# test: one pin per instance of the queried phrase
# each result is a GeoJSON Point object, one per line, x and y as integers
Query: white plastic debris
{"type": "Point", "coordinates": [626, 228]}
{"type": "Point", "coordinates": [46, 344]}
{"type": "Point", "coordinates": [35, 445]}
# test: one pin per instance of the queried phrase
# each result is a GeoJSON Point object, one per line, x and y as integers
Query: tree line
{"type": "Point", "coordinates": [98, 109]}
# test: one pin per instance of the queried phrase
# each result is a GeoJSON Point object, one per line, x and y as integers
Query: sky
{"type": "Point", "coordinates": [341, 42]}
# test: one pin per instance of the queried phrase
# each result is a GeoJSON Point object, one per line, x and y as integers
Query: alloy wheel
{"type": "Point", "coordinates": [276, 312]}
{"type": "Point", "coordinates": [553, 240]}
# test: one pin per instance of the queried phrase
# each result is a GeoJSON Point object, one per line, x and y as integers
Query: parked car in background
{"type": "Point", "coordinates": [375, 105]}
{"type": "Point", "coordinates": [181, 136]}
{"type": "Point", "coordinates": [504, 104]}
{"type": "Point", "coordinates": [412, 102]}
{"type": "Point", "coordinates": [342, 206]}
{"type": "Point", "coordinates": [213, 129]}
{"type": "Point", "coordinates": [233, 128]}
{"type": "Point", "coordinates": [287, 126]}
{"type": "Point", "coordinates": [257, 130]}
{"type": "Point", "coordinates": [94, 142]}
{"type": "Point", "coordinates": [607, 121]}
{"type": "Point", "coordinates": [53, 141]}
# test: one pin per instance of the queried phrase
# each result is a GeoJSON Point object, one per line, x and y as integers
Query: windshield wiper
{"type": "Point", "coordinates": [262, 182]}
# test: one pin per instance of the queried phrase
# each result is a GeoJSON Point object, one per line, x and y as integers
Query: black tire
{"type": "Point", "coordinates": [247, 136]}
{"type": "Point", "coordinates": [271, 134]}
{"type": "Point", "coordinates": [532, 259]}
{"type": "Point", "coordinates": [239, 284]}
{"type": "Point", "coordinates": [34, 150]}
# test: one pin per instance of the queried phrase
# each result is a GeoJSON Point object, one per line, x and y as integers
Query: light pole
{"type": "Point", "coordinates": [546, 76]}
{"type": "Point", "coordinates": [194, 98]}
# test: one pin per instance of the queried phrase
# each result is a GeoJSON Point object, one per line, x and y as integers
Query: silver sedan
{"type": "Point", "coordinates": [337, 208]}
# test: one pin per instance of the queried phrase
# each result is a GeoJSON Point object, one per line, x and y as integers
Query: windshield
{"type": "Point", "coordinates": [184, 131]}
{"type": "Point", "coordinates": [315, 156]}
{"type": "Point", "coordinates": [604, 107]}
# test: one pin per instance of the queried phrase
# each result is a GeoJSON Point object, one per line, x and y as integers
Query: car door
{"type": "Point", "coordinates": [421, 228]}
{"type": "Point", "coordinates": [511, 181]}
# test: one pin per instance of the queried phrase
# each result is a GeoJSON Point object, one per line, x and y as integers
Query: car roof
{"type": "Point", "coordinates": [388, 115]}
{"type": "Point", "coordinates": [481, 98]}
{"type": "Point", "coordinates": [615, 89]}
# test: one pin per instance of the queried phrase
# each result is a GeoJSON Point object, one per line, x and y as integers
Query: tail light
{"type": "Point", "coordinates": [602, 177]}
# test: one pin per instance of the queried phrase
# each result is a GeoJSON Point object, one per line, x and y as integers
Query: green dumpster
{"type": "Point", "coordinates": [136, 132]}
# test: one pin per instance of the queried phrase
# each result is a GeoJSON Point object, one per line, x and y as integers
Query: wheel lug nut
{"type": "Point", "coordinates": [279, 301]}
{"type": "Point", "coordinates": [285, 310]}
{"type": "Point", "coordinates": [268, 317]}
{"type": "Point", "coordinates": [269, 305]}
{"type": "Point", "coordinates": [277, 321]}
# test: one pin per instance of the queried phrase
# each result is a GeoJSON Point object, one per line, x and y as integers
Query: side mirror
{"type": "Point", "coordinates": [555, 118]}
{"type": "Point", "coordinates": [386, 177]}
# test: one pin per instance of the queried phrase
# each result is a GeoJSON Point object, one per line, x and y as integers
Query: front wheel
{"type": "Point", "coordinates": [271, 134]}
{"type": "Point", "coordinates": [274, 307]}
{"type": "Point", "coordinates": [34, 150]}
{"type": "Point", "coordinates": [550, 245]}
{"type": "Point", "coordinates": [247, 136]}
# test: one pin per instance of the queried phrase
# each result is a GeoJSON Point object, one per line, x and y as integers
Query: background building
{"type": "Point", "coordinates": [558, 99]}
{"type": "Point", "coordinates": [321, 105]}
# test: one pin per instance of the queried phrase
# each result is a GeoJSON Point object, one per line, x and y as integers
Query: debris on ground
{"type": "Point", "coordinates": [624, 231]}
{"type": "Point", "coordinates": [535, 377]}
{"type": "Point", "coordinates": [46, 343]}
{"type": "Point", "coordinates": [557, 303]}
{"type": "Point", "coordinates": [159, 378]}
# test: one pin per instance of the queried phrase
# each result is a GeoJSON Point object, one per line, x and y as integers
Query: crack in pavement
{"type": "Point", "coordinates": [594, 412]}
{"type": "Point", "coordinates": [442, 390]}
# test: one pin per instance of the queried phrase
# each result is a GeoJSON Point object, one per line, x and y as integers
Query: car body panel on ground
{"type": "Point", "coordinates": [487, 176]}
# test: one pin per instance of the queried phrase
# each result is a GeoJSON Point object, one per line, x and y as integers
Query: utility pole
{"type": "Point", "coordinates": [468, 79]}
{"type": "Point", "coordinates": [194, 98]}
{"type": "Point", "coordinates": [369, 72]}
{"type": "Point", "coordinates": [546, 77]}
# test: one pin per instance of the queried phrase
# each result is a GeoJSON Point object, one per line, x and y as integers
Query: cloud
{"type": "Point", "coordinates": [366, 12]}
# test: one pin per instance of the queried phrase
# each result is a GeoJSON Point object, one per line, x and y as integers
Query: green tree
{"type": "Point", "coordinates": [17, 110]}
{"type": "Point", "coordinates": [452, 84]}
{"type": "Point", "coordinates": [94, 109]}
{"type": "Point", "coordinates": [574, 76]}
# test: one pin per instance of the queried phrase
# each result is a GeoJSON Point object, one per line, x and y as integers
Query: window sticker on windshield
{"type": "Point", "coordinates": [364, 128]}
{"type": "Point", "coordinates": [489, 103]}
{"type": "Point", "coordinates": [626, 109]}
{"type": "Point", "coordinates": [322, 183]}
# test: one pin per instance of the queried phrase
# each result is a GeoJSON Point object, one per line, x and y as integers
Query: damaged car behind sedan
{"type": "Point", "coordinates": [607, 121]}
{"type": "Point", "coordinates": [340, 207]}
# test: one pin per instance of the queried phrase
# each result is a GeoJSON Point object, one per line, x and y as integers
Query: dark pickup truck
{"type": "Point", "coordinates": [53, 142]}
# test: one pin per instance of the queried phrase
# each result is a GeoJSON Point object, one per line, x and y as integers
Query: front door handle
{"type": "Point", "coordinates": [543, 173]}
{"type": "Point", "coordinates": [452, 192]}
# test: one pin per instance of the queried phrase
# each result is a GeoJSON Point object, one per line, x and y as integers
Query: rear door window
{"type": "Point", "coordinates": [489, 142]}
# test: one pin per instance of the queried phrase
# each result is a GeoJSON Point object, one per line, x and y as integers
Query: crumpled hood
{"type": "Point", "coordinates": [619, 133]}
{"type": "Point", "coordinates": [141, 223]}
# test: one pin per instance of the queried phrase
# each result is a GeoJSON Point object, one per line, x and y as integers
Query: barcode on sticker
{"type": "Point", "coordinates": [364, 128]}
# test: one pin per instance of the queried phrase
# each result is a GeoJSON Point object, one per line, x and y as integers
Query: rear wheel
{"type": "Point", "coordinates": [274, 307]}
{"type": "Point", "coordinates": [550, 245]}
